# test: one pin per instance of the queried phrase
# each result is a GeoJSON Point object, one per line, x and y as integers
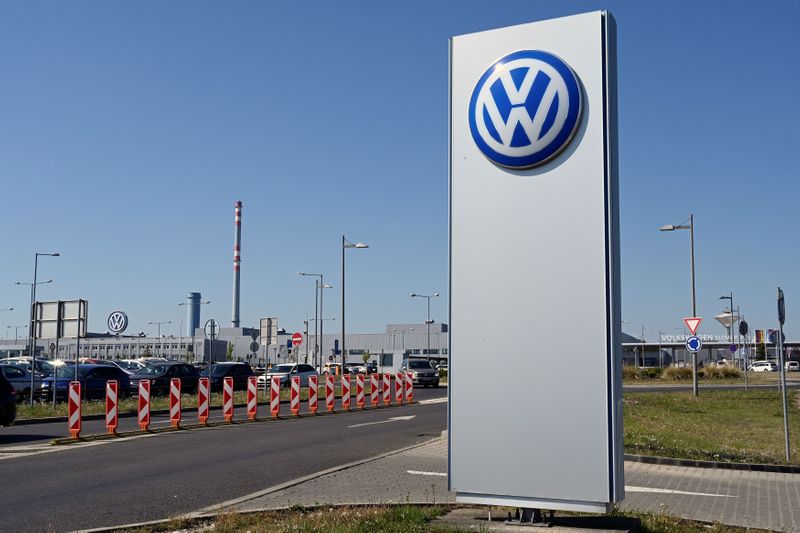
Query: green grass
{"type": "Point", "coordinates": [390, 519]}
{"type": "Point", "coordinates": [731, 426]}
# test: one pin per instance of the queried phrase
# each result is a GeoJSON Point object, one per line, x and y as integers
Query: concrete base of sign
{"type": "Point", "coordinates": [481, 519]}
{"type": "Point", "coordinates": [511, 501]}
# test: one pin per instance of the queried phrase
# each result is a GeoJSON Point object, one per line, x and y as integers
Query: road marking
{"type": "Point", "coordinates": [433, 400]}
{"type": "Point", "coordinates": [669, 491]}
{"type": "Point", "coordinates": [421, 473]}
{"type": "Point", "coordinates": [393, 419]}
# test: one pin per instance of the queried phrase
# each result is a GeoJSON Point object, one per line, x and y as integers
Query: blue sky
{"type": "Point", "coordinates": [129, 129]}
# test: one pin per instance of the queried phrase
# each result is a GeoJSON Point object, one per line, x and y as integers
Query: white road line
{"type": "Point", "coordinates": [669, 491]}
{"type": "Point", "coordinates": [433, 400]}
{"type": "Point", "coordinates": [392, 419]}
{"type": "Point", "coordinates": [421, 473]}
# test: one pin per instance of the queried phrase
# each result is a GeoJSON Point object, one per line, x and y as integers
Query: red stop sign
{"type": "Point", "coordinates": [297, 339]}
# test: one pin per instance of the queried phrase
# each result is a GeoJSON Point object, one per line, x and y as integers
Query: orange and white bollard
{"type": "Point", "coordinates": [275, 396]}
{"type": "Point", "coordinates": [112, 411]}
{"type": "Point", "coordinates": [202, 400]}
{"type": "Point", "coordinates": [399, 381]}
{"type": "Point", "coordinates": [387, 388]}
{"type": "Point", "coordinates": [175, 402]}
{"type": "Point", "coordinates": [227, 399]}
{"type": "Point", "coordinates": [330, 393]}
{"type": "Point", "coordinates": [360, 390]}
{"type": "Point", "coordinates": [373, 390]}
{"type": "Point", "coordinates": [294, 397]}
{"type": "Point", "coordinates": [313, 385]}
{"type": "Point", "coordinates": [144, 404]}
{"type": "Point", "coordinates": [252, 397]}
{"type": "Point", "coordinates": [74, 409]}
{"type": "Point", "coordinates": [409, 388]}
{"type": "Point", "coordinates": [346, 392]}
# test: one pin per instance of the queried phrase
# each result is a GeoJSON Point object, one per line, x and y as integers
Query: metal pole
{"type": "Point", "coordinates": [316, 321]}
{"type": "Point", "coordinates": [344, 346]}
{"type": "Point", "coordinates": [31, 327]}
{"type": "Point", "coordinates": [695, 390]}
{"type": "Point", "coordinates": [428, 323]}
{"type": "Point", "coordinates": [321, 292]}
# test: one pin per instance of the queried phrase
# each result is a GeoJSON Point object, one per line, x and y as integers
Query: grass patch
{"type": "Point", "coordinates": [729, 426]}
{"type": "Point", "coordinates": [392, 519]}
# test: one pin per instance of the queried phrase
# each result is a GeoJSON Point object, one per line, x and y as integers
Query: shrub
{"type": "Point", "coordinates": [630, 372]}
{"type": "Point", "coordinates": [650, 373]}
{"type": "Point", "coordinates": [719, 372]}
{"type": "Point", "coordinates": [676, 373]}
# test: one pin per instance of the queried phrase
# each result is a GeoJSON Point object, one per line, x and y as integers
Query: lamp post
{"type": "Point", "coordinates": [428, 321]}
{"type": "Point", "coordinates": [187, 303]}
{"type": "Point", "coordinates": [643, 328]}
{"type": "Point", "coordinates": [345, 245]}
{"type": "Point", "coordinates": [319, 287]}
{"type": "Point", "coordinates": [733, 317]}
{"type": "Point", "coordinates": [16, 329]}
{"type": "Point", "coordinates": [159, 332]}
{"type": "Point", "coordinates": [31, 332]}
{"type": "Point", "coordinates": [321, 321]}
{"type": "Point", "coordinates": [690, 227]}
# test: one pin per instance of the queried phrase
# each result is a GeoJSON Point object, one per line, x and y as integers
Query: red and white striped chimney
{"type": "Point", "coordinates": [237, 246]}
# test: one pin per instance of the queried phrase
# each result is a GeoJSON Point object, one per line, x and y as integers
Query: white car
{"type": "Point", "coordinates": [284, 371]}
{"type": "Point", "coordinates": [792, 366]}
{"type": "Point", "coordinates": [763, 366]}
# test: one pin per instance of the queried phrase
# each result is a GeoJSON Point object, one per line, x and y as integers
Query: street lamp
{"type": "Point", "coordinates": [31, 332]}
{"type": "Point", "coordinates": [159, 332]}
{"type": "Point", "coordinates": [428, 322]}
{"type": "Point", "coordinates": [318, 286]}
{"type": "Point", "coordinates": [345, 245]}
{"type": "Point", "coordinates": [188, 303]}
{"type": "Point", "coordinates": [690, 227]}
{"type": "Point", "coordinates": [16, 329]}
{"type": "Point", "coordinates": [733, 317]}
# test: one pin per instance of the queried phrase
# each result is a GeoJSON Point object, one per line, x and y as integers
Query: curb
{"type": "Point", "coordinates": [696, 463]}
{"type": "Point", "coordinates": [213, 510]}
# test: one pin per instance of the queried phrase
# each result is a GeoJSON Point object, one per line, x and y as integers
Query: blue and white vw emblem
{"type": "Point", "coordinates": [525, 109]}
{"type": "Point", "coordinates": [117, 322]}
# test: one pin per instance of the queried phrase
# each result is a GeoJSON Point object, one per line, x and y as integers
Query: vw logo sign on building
{"type": "Point", "coordinates": [117, 322]}
{"type": "Point", "coordinates": [525, 109]}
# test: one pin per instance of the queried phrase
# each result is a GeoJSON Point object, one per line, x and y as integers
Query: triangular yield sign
{"type": "Point", "coordinates": [692, 323]}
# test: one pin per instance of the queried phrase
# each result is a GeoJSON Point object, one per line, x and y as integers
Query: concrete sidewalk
{"type": "Point", "coordinates": [418, 475]}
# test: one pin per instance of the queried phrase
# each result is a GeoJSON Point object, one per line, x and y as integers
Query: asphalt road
{"type": "Point", "coordinates": [166, 474]}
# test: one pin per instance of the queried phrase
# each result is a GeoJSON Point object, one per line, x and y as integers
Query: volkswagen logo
{"type": "Point", "coordinates": [117, 322]}
{"type": "Point", "coordinates": [525, 109]}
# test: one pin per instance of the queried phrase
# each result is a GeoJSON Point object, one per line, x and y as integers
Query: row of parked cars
{"type": "Point", "coordinates": [769, 366]}
{"type": "Point", "coordinates": [52, 378]}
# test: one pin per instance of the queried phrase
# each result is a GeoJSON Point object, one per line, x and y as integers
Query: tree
{"type": "Point", "coordinates": [229, 352]}
{"type": "Point", "coordinates": [365, 356]}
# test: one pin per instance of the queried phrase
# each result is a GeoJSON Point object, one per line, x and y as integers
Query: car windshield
{"type": "Point", "coordinates": [419, 365]}
{"type": "Point", "coordinates": [153, 370]}
{"type": "Point", "coordinates": [68, 371]}
{"type": "Point", "coordinates": [281, 369]}
{"type": "Point", "coordinates": [130, 365]}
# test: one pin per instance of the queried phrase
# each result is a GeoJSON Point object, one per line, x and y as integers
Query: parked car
{"type": "Point", "coordinates": [8, 402]}
{"type": "Point", "coordinates": [287, 370]}
{"type": "Point", "coordinates": [336, 368]}
{"type": "Point", "coordinates": [20, 379]}
{"type": "Point", "coordinates": [131, 366]}
{"type": "Point", "coordinates": [422, 373]}
{"type": "Point", "coordinates": [160, 374]}
{"type": "Point", "coordinates": [763, 366]}
{"type": "Point", "coordinates": [236, 370]}
{"type": "Point", "coordinates": [44, 367]}
{"type": "Point", "coordinates": [93, 379]}
{"type": "Point", "coordinates": [792, 366]}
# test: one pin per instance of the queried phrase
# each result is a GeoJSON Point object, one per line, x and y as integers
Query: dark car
{"type": "Point", "coordinates": [20, 379]}
{"type": "Point", "coordinates": [93, 379]}
{"type": "Point", "coordinates": [8, 403]}
{"type": "Point", "coordinates": [160, 375]}
{"type": "Point", "coordinates": [238, 371]}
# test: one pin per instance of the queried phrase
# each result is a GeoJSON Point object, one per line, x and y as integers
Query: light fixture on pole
{"type": "Point", "coordinates": [159, 332]}
{"type": "Point", "coordinates": [345, 245]}
{"type": "Point", "coordinates": [428, 322]}
{"type": "Point", "coordinates": [690, 227]}
{"type": "Point", "coordinates": [16, 329]}
{"type": "Point", "coordinates": [318, 286]}
{"type": "Point", "coordinates": [32, 325]}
